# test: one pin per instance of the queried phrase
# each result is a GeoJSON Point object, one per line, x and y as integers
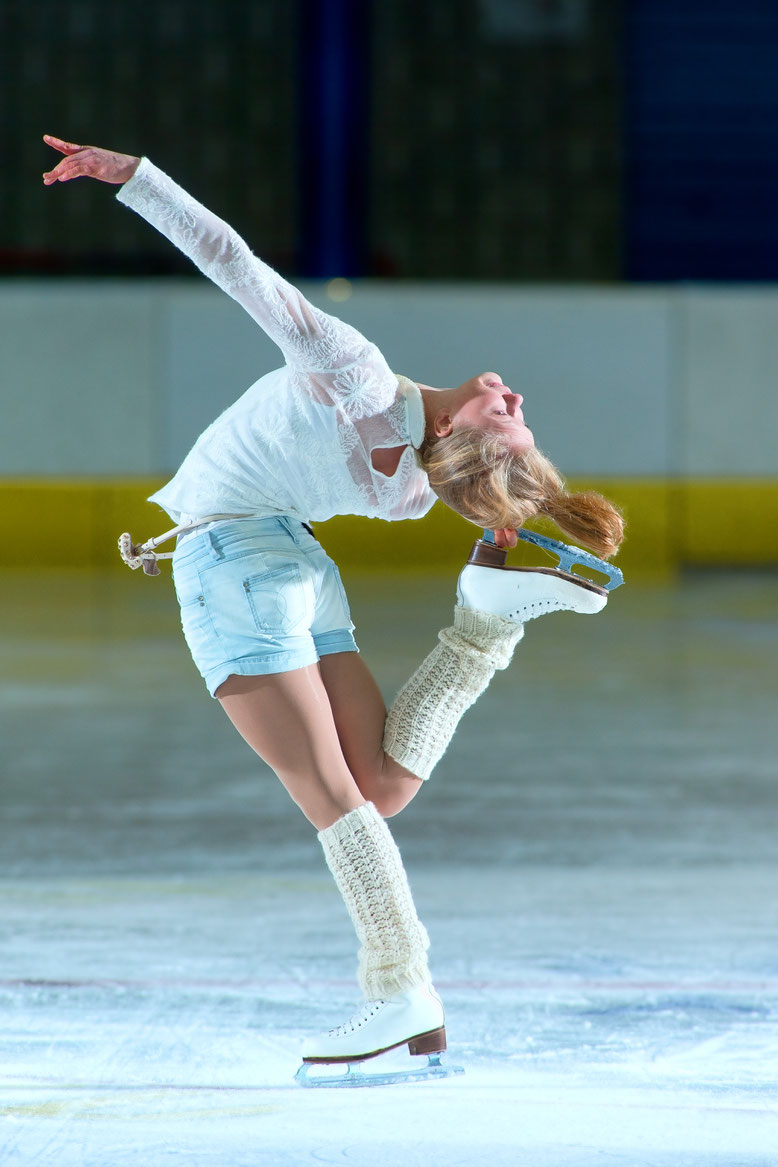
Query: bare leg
{"type": "Point", "coordinates": [320, 729]}
{"type": "Point", "coordinates": [359, 714]}
{"type": "Point", "coordinates": [286, 718]}
{"type": "Point", "coordinates": [324, 728]}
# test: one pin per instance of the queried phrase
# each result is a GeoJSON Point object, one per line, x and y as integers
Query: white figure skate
{"type": "Point", "coordinates": [523, 593]}
{"type": "Point", "coordinates": [414, 1018]}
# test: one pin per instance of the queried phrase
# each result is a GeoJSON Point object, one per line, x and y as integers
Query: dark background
{"type": "Point", "coordinates": [558, 140]}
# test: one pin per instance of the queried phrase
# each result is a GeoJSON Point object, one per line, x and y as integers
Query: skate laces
{"type": "Point", "coordinates": [367, 1013]}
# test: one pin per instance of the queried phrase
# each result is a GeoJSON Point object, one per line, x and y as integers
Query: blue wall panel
{"type": "Point", "coordinates": [701, 140]}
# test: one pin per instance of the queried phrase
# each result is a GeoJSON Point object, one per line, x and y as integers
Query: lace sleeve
{"type": "Point", "coordinates": [308, 337]}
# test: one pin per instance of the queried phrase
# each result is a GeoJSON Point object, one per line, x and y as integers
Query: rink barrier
{"type": "Point", "coordinates": [671, 523]}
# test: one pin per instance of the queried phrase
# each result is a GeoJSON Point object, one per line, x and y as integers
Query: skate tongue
{"type": "Point", "coordinates": [570, 557]}
{"type": "Point", "coordinates": [368, 1010]}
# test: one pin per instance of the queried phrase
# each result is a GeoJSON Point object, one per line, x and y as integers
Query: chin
{"type": "Point", "coordinates": [523, 442]}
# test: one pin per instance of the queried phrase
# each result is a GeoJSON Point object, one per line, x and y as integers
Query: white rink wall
{"type": "Point", "coordinates": [118, 377]}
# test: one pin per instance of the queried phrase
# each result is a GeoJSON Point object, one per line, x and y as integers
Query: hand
{"type": "Point", "coordinates": [506, 537]}
{"type": "Point", "coordinates": [89, 162]}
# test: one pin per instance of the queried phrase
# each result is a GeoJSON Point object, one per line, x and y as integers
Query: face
{"type": "Point", "coordinates": [485, 403]}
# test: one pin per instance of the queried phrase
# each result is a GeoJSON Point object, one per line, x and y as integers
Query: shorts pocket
{"type": "Point", "coordinates": [281, 600]}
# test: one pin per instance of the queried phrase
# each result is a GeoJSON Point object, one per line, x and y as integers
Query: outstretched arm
{"type": "Point", "coordinates": [306, 335]}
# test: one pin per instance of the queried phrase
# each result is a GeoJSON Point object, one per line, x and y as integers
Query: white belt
{"type": "Point", "coordinates": [144, 555]}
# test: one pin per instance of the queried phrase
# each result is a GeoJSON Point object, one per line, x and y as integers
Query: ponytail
{"type": "Point", "coordinates": [478, 475]}
{"type": "Point", "coordinates": [588, 518]}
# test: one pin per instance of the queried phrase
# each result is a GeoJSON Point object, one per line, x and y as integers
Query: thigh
{"type": "Point", "coordinates": [287, 720]}
{"type": "Point", "coordinates": [359, 715]}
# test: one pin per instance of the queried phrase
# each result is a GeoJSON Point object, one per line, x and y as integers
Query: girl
{"type": "Point", "coordinates": [263, 610]}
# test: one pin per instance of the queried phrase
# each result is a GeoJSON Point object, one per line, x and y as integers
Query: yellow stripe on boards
{"type": "Point", "coordinates": [73, 522]}
{"type": "Point", "coordinates": [730, 522]}
{"type": "Point", "coordinates": [670, 524]}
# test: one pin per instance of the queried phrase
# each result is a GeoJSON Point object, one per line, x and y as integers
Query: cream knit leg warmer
{"type": "Point", "coordinates": [426, 711]}
{"type": "Point", "coordinates": [364, 859]}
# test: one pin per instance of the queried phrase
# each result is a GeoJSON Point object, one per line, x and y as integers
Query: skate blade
{"type": "Point", "coordinates": [356, 1076]}
{"type": "Point", "coordinates": [570, 557]}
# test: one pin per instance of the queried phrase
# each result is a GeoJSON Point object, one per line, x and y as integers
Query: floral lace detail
{"type": "Point", "coordinates": [275, 451]}
{"type": "Point", "coordinates": [360, 392]}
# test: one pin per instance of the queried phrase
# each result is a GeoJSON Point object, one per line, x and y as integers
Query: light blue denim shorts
{"type": "Point", "coordinates": [259, 596]}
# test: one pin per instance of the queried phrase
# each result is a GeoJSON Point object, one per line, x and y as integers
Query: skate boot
{"type": "Point", "coordinates": [414, 1018]}
{"type": "Point", "coordinates": [519, 594]}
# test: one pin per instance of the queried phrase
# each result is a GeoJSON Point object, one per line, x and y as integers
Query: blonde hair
{"type": "Point", "coordinates": [478, 475]}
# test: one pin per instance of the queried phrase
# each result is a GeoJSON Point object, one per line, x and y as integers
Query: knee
{"type": "Point", "coordinates": [392, 795]}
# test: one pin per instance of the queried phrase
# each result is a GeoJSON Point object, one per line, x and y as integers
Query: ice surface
{"type": "Point", "coordinates": [594, 859]}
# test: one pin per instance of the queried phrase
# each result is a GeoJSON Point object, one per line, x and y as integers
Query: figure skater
{"type": "Point", "coordinates": [263, 610]}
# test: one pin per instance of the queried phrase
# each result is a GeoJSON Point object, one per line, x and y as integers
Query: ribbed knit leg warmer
{"type": "Point", "coordinates": [427, 710]}
{"type": "Point", "coordinates": [364, 859]}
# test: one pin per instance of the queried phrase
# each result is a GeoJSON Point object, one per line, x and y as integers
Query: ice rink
{"type": "Point", "coordinates": [595, 860]}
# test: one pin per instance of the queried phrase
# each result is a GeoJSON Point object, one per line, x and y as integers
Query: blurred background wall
{"type": "Point", "coordinates": [579, 194]}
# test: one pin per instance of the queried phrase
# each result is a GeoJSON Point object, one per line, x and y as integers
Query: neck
{"type": "Point", "coordinates": [434, 401]}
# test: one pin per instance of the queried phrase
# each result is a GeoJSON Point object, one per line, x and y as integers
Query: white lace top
{"type": "Point", "coordinates": [299, 441]}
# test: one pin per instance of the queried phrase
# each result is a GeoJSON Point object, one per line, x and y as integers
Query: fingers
{"type": "Point", "coordinates": [64, 171]}
{"type": "Point", "coordinates": [62, 146]}
{"type": "Point", "coordinates": [505, 537]}
{"type": "Point", "coordinates": [83, 164]}
{"type": "Point", "coordinates": [90, 162]}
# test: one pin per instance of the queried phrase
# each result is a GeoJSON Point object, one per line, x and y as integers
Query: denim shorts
{"type": "Point", "coordinates": [259, 596]}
